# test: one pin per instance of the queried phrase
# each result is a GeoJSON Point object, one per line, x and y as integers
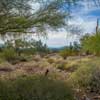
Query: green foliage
{"type": "Point", "coordinates": [8, 54]}
{"type": "Point", "coordinates": [91, 43]}
{"type": "Point", "coordinates": [31, 47]}
{"type": "Point", "coordinates": [71, 50]}
{"type": "Point", "coordinates": [28, 51]}
{"type": "Point", "coordinates": [87, 76]}
{"type": "Point", "coordinates": [22, 16]}
{"type": "Point", "coordinates": [61, 66]}
{"type": "Point", "coordinates": [82, 77]}
{"type": "Point", "coordinates": [1, 60]}
{"type": "Point", "coordinates": [95, 81]}
{"type": "Point", "coordinates": [35, 88]}
{"type": "Point", "coordinates": [40, 47]}
{"type": "Point", "coordinates": [16, 18]}
{"type": "Point", "coordinates": [64, 53]}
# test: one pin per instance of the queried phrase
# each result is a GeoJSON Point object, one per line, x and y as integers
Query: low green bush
{"type": "Point", "coordinates": [91, 44]}
{"type": "Point", "coordinates": [8, 54]}
{"type": "Point", "coordinates": [63, 53]}
{"type": "Point", "coordinates": [68, 52]}
{"type": "Point", "coordinates": [82, 76]}
{"type": "Point", "coordinates": [1, 60]}
{"type": "Point", "coordinates": [95, 81]}
{"type": "Point", "coordinates": [61, 66]}
{"type": "Point", "coordinates": [87, 77]}
{"type": "Point", "coordinates": [35, 88]}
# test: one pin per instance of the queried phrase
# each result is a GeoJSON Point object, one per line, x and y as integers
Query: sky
{"type": "Point", "coordinates": [84, 15]}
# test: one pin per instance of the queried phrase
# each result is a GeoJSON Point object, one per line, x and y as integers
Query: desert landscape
{"type": "Point", "coordinates": [49, 50]}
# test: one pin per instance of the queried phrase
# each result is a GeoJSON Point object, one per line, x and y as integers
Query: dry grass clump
{"type": "Point", "coordinates": [72, 64]}
{"type": "Point", "coordinates": [61, 66]}
{"type": "Point", "coordinates": [51, 60]}
{"type": "Point", "coordinates": [37, 58]}
{"type": "Point", "coordinates": [34, 67]}
{"type": "Point", "coordinates": [44, 64]}
{"type": "Point", "coordinates": [6, 67]}
{"type": "Point", "coordinates": [30, 67]}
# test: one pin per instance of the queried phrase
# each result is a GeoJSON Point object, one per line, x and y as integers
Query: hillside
{"type": "Point", "coordinates": [78, 71]}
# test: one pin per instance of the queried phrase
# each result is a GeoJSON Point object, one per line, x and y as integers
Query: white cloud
{"type": "Point", "coordinates": [58, 39]}
{"type": "Point", "coordinates": [81, 18]}
{"type": "Point", "coordinates": [87, 24]}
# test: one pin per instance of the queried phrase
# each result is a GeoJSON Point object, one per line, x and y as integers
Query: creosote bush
{"type": "Point", "coordinates": [35, 88]}
{"type": "Point", "coordinates": [61, 66]}
{"type": "Point", "coordinates": [51, 60]}
{"type": "Point", "coordinates": [8, 54]}
{"type": "Point", "coordinates": [63, 53]}
{"type": "Point", "coordinates": [95, 81]}
{"type": "Point", "coordinates": [91, 44]}
{"type": "Point", "coordinates": [68, 52]}
{"type": "Point", "coordinates": [87, 76]}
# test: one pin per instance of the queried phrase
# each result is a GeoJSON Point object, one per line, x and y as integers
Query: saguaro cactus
{"type": "Point", "coordinates": [97, 26]}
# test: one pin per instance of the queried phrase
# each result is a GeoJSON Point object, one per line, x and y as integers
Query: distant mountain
{"type": "Point", "coordinates": [54, 49]}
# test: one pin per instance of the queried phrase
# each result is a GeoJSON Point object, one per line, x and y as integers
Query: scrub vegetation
{"type": "Point", "coordinates": [29, 69]}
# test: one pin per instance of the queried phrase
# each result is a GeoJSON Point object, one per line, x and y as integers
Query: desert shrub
{"type": "Point", "coordinates": [6, 67]}
{"type": "Point", "coordinates": [61, 66]}
{"type": "Point", "coordinates": [95, 81]}
{"type": "Point", "coordinates": [82, 76]}
{"type": "Point", "coordinates": [37, 57]}
{"type": "Point", "coordinates": [8, 54]}
{"type": "Point", "coordinates": [1, 60]}
{"type": "Point", "coordinates": [28, 51]}
{"type": "Point", "coordinates": [91, 44]}
{"type": "Point", "coordinates": [68, 52]}
{"type": "Point", "coordinates": [35, 88]}
{"type": "Point", "coordinates": [71, 50]}
{"type": "Point", "coordinates": [51, 60]}
{"type": "Point", "coordinates": [63, 53]}
{"type": "Point", "coordinates": [87, 76]}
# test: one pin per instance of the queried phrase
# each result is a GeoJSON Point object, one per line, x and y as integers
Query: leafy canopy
{"type": "Point", "coordinates": [91, 43]}
{"type": "Point", "coordinates": [21, 16]}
